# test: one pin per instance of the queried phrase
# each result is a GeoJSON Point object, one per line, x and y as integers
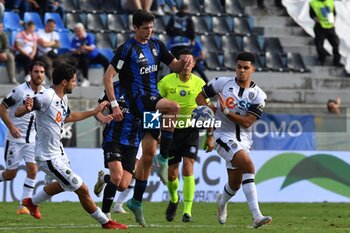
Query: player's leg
{"type": "Point", "coordinates": [188, 188]}
{"type": "Point", "coordinates": [28, 186]}
{"type": "Point", "coordinates": [169, 109]}
{"type": "Point", "coordinates": [118, 206]}
{"type": "Point", "coordinates": [173, 185]}
{"type": "Point", "coordinates": [116, 173]}
{"type": "Point", "coordinates": [142, 172]}
{"type": "Point", "coordinates": [230, 189]}
{"type": "Point", "coordinates": [244, 163]}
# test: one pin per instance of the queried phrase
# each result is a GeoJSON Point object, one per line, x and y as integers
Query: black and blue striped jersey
{"type": "Point", "coordinates": [126, 132]}
{"type": "Point", "coordinates": [138, 64]}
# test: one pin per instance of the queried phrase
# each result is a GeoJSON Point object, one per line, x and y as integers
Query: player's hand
{"type": "Point", "coordinates": [102, 106]}
{"type": "Point", "coordinates": [188, 60]}
{"type": "Point", "coordinates": [106, 119]}
{"type": "Point", "coordinates": [209, 144]}
{"type": "Point", "coordinates": [222, 103]}
{"type": "Point", "coordinates": [117, 114]}
{"type": "Point", "coordinates": [15, 132]}
{"type": "Point", "coordinates": [29, 104]}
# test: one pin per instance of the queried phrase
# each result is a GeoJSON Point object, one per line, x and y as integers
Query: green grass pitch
{"type": "Point", "coordinates": [287, 217]}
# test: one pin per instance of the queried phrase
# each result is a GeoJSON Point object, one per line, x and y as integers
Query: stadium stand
{"type": "Point", "coordinates": [59, 23]}
{"type": "Point", "coordinates": [12, 21]}
{"type": "Point", "coordinates": [35, 17]}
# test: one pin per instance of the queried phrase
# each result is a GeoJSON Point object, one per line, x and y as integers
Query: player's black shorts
{"type": "Point", "coordinates": [144, 103]}
{"type": "Point", "coordinates": [184, 144]}
{"type": "Point", "coordinates": [118, 152]}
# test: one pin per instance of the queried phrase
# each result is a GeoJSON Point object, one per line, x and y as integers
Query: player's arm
{"type": "Point", "coordinates": [29, 105]}
{"type": "Point", "coordinates": [243, 120]}
{"type": "Point", "coordinates": [178, 65]}
{"type": "Point", "coordinates": [108, 83]}
{"type": "Point", "coordinates": [78, 116]}
{"type": "Point", "coordinates": [15, 132]}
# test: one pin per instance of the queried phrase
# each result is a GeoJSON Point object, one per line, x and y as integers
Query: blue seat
{"type": "Point", "coordinates": [275, 62]}
{"type": "Point", "coordinates": [215, 61]}
{"type": "Point", "coordinates": [65, 43]}
{"type": "Point", "coordinates": [118, 22]}
{"type": "Point", "coordinates": [107, 52]}
{"type": "Point", "coordinates": [243, 25]}
{"type": "Point", "coordinates": [105, 40]}
{"type": "Point", "coordinates": [35, 17]}
{"type": "Point", "coordinates": [213, 7]}
{"type": "Point", "coordinates": [12, 21]}
{"type": "Point", "coordinates": [95, 22]}
{"type": "Point", "coordinates": [59, 23]}
{"type": "Point", "coordinates": [222, 25]}
{"type": "Point", "coordinates": [234, 7]}
{"type": "Point", "coordinates": [203, 24]}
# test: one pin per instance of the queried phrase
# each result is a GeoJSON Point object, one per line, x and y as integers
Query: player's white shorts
{"type": "Point", "coordinates": [15, 152]}
{"type": "Point", "coordinates": [59, 169]}
{"type": "Point", "coordinates": [228, 147]}
{"type": "Point", "coordinates": [139, 152]}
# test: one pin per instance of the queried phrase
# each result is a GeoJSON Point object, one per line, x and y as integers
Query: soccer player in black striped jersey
{"type": "Point", "coordinates": [241, 103]}
{"type": "Point", "coordinates": [121, 140]}
{"type": "Point", "coordinates": [137, 62]}
{"type": "Point", "coordinates": [20, 139]}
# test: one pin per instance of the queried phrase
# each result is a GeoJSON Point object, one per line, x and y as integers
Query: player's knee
{"type": "Point", "coordinates": [116, 179]}
{"type": "Point", "coordinates": [10, 174]}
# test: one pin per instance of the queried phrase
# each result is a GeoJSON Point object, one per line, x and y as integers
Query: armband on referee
{"type": "Point", "coordinates": [226, 111]}
{"type": "Point", "coordinates": [114, 103]}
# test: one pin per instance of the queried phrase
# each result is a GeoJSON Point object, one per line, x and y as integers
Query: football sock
{"type": "Point", "coordinates": [123, 195]}
{"type": "Point", "coordinates": [99, 216]}
{"type": "Point", "coordinates": [140, 187]}
{"type": "Point", "coordinates": [28, 188]}
{"type": "Point", "coordinates": [40, 196]}
{"type": "Point", "coordinates": [249, 189]}
{"type": "Point", "coordinates": [188, 191]}
{"type": "Point", "coordinates": [106, 178]}
{"type": "Point", "coordinates": [108, 196]}
{"type": "Point", "coordinates": [172, 188]}
{"type": "Point", "coordinates": [227, 194]}
{"type": "Point", "coordinates": [165, 141]}
{"type": "Point", "coordinates": [1, 177]}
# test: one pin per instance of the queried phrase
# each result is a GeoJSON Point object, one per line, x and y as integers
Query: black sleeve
{"type": "Point", "coordinates": [116, 58]}
{"type": "Point", "coordinates": [256, 109]}
{"type": "Point", "coordinates": [208, 91]}
{"type": "Point", "coordinates": [8, 102]}
{"type": "Point", "coordinates": [166, 56]}
{"type": "Point", "coordinates": [169, 27]}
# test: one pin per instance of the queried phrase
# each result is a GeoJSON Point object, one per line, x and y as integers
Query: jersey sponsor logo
{"type": "Point", "coordinates": [149, 69]}
{"type": "Point", "coordinates": [193, 149]}
{"type": "Point", "coordinates": [58, 117]}
{"type": "Point", "coordinates": [141, 56]}
{"type": "Point", "coordinates": [151, 120]}
{"type": "Point", "coordinates": [120, 64]}
{"type": "Point", "coordinates": [251, 95]}
{"type": "Point", "coordinates": [182, 92]}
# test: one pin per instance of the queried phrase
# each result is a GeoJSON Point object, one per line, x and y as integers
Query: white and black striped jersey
{"type": "Point", "coordinates": [239, 100]}
{"type": "Point", "coordinates": [51, 111]}
{"type": "Point", "coordinates": [26, 123]}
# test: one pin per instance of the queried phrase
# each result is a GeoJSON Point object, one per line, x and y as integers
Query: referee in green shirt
{"type": "Point", "coordinates": [183, 88]}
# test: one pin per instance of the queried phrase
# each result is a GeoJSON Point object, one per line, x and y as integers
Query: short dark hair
{"type": "Point", "coordinates": [141, 16]}
{"type": "Point", "coordinates": [29, 24]}
{"type": "Point", "coordinates": [50, 21]}
{"type": "Point", "coordinates": [36, 63]}
{"type": "Point", "coordinates": [246, 56]}
{"type": "Point", "coordinates": [185, 51]}
{"type": "Point", "coordinates": [63, 71]}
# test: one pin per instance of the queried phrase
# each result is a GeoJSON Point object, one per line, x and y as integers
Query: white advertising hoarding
{"type": "Point", "coordinates": [281, 176]}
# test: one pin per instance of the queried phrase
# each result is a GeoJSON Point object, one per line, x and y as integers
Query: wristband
{"type": "Point", "coordinates": [114, 103]}
{"type": "Point", "coordinates": [226, 111]}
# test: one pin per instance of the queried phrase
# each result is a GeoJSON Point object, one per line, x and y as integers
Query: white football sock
{"type": "Point", "coordinates": [99, 216]}
{"type": "Point", "coordinates": [249, 189]}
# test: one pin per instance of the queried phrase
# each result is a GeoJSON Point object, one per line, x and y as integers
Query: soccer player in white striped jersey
{"type": "Point", "coordinates": [20, 137]}
{"type": "Point", "coordinates": [52, 112]}
{"type": "Point", "coordinates": [240, 104]}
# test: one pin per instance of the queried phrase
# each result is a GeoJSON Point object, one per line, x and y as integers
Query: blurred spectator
{"type": "Point", "coordinates": [333, 106]}
{"type": "Point", "coordinates": [26, 47]}
{"type": "Point", "coordinates": [85, 52]}
{"type": "Point", "coordinates": [2, 10]}
{"type": "Point", "coordinates": [181, 30]}
{"type": "Point", "coordinates": [56, 6]}
{"type": "Point", "coordinates": [261, 4]}
{"type": "Point", "coordinates": [6, 56]}
{"type": "Point", "coordinates": [48, 42]}
{"type": "Point", "coordinates": [323, 13]}
{"type": "Point", "coordinates": [22, 6]}
{"type": "Point", "coordinates": [133, 5]}
{"type": "Point", "coordinates": [159, 5]}
{"type": "Point", "coordinates": [199, 54]}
